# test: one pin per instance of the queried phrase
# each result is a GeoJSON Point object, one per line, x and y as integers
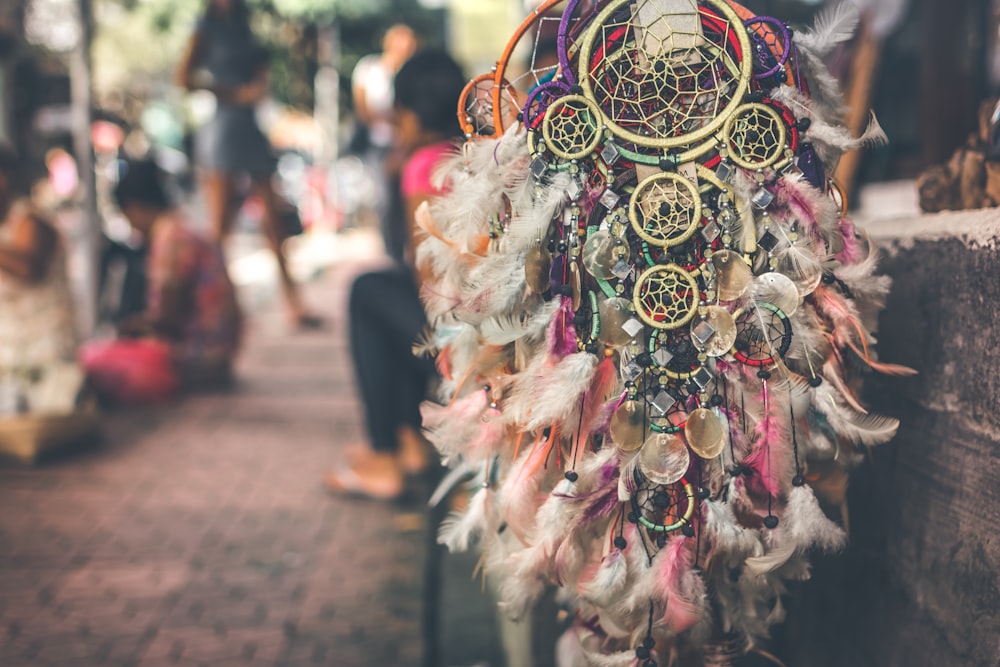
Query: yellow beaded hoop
{"type": "Point", "coordinates": [755, 135]}
{"type": "Point", "coordinates": [666, 297]}
{"type": "Point", "coordinates": [664, 74]}
{"type": "Point", "coordinates": [572, 127]}
{"type": "Point", "coordinates": [665, 209]}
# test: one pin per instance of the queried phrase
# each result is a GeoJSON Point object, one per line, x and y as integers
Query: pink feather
{"type": "Point", "coordinates": [852, 252]}
{"type": "Point", "coordinates": [562, 333]}
{"type": "Point", "coordinates": [462, 411]}
{"type": "Point", "coordinates": [771, 453]}
{"type": "Point", "coordinates": [805, 204]}
{"type": "Point", "coordinates": [490, 433]}
{"type": "Point", "coordinates": [672, 566]}
{"type": "Point", "coordinates": [604, 382]}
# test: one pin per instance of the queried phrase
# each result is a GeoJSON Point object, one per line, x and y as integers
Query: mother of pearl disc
{"type": "Point", "coordinates": [779, 289]}
{"type": "Point", "coordinates": [537, 265]}
{"type": "Point", "coordinates": [602, 252]}
{"type": "Point", "coordinates": [628, 426]}
{"type": "Point", "coordinates": [664, 458]}
{"type": "Point", "coordinates": [732, 275]}
{"type": "Point", "coordinates": [721, 342]}
{"type": "Point", "coordinates": [705, 433]}
{"type": "Point", "coordinates": [615, 312]}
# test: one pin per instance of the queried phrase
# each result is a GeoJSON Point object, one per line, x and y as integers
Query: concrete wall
{"type": "Point", "coordinates": [920, 583]}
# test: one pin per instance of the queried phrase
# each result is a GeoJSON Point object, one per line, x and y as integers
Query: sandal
{"type": "Point", "coordinates": [345, 481]}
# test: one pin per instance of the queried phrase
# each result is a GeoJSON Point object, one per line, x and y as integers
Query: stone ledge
{"type": "Point", "coordinates": [920, 583]}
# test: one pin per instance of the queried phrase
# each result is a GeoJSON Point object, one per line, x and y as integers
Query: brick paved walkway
{"type": "Point", "coordinates": [199, 534]}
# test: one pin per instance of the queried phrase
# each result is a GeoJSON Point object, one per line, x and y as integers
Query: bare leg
{"type": "Point", "coordinates": [275, 238]}
{"type": "Point", "coordinates": [217, 188]}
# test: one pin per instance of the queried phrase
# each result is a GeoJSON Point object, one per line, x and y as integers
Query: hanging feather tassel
{"type": "Point", "coordinates": [550, 393]}
{"type": "Point", "coordinates": [461, 529]}
{"type": "Point", "coordinates": [607, 582]}
{"type": "Point", "coordinates": [834, 25]}
{"type": "Point", "coordinates": [562, 333]}
{"type": "Point", "coordinates": [805, 525]}
{"type": "Point", "coordinates": [674, 588]}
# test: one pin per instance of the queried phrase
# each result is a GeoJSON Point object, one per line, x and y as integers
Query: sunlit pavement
{"type": "Point", "coordinates": [199, 533]}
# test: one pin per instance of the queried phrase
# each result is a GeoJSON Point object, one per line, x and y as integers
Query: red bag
{"type": "Point", "coordinates": [131, 371]}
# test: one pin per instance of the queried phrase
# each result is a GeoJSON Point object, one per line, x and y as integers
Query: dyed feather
{"type": "Point", "coordinates": [608, 581]}
{"type": "Point", "coordinates": [561, 332]}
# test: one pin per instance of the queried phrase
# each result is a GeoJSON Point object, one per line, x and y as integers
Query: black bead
{"type": "Point", "coordinates": [771, 521]}
{"type": "Point", "coordinates": [620, 542]}
{"type": "Point", "coordinates": [649, 642]}
{"type": "Point", "coordinates": [764, 374]}
{"type": "Point", "coordinates": [572, 476]}
{"type": "Point", "coordinates": [804, 124]}
{"type": "Point", "coordinates": [580, 320]}
{"type": "Point", "coordinates": [562, 246]}
{"type": "Point", "coordinates": [688, 530]}
{"type": "Point", "coordinates": [738, 470]}
{"type": "Point", "coordinates": [632, 518]}
{"type": "Point", "coordinates": [642, 653]}
{"type": "Point", "coordinates": [798, 480]}
{"type": "Point", "coordinates": [645, 359]}
{"type": "Point", "coordinates": [592, 348]}
{"type": "Point", "coordinates": [660, 500]}
{"type": "Point", "coordinates": [815, 381]}
{"type": "Point", "coordinates": [666, 164]}
{"type": "Point", "coordinates": [576, 90]}
{"type": "Point", "coordinates": [551, 246]}
{"type": "Point", "coordinates": [755, 97]}
{"type": "Point", "coordinates": [716, 400]}
{"type": "Point", "coordinates": [661, 540]}
{"type": "Point", "coordinates": [702, 493]}
{"type": "Point", "coordinates": [829, 278]}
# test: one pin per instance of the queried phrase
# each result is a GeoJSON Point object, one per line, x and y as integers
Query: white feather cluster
{"type": "Point", "coordinates": [563, 503]}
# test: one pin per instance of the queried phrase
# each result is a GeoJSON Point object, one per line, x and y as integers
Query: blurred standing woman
{"type": "Point", "coordinates": [223, 57]}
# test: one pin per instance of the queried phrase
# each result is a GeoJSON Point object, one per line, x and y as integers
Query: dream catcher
{"type": "Point", "coordinates": [651, 366]}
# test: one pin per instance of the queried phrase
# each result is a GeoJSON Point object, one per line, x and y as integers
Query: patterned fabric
{"type": "Point", "coordinates": [180, 259]}
{"type": "Point", "coordinates": [36, 320]}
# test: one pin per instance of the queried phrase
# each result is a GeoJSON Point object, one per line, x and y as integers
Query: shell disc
{"type": "Point", "coordinates": [705, 433]}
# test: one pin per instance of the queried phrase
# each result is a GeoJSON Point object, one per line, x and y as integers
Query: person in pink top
{"type": "Point", "coordinates": [385, 312]}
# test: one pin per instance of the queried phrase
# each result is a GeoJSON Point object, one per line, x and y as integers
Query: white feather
{"type": "Point", "coordinates": [867, 430]}
{"type": "Point", "coordinates": [805, 525]}
{"type": "Point", "coordinates": [548, 394]}
{"type": "Point", "coordinates": [461, 529]}
{"type": "Point", "coordinates": [773, 559]}
{"type": "Point", "coordinates": [833, 26]}
{"type": "Point", "coordinates": [609, 581]}
{"type": "Point", "coordinates": [622, 659]}
{"type": "Point", "coordinates": [726, 535]}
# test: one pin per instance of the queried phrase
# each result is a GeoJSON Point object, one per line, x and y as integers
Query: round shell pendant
{"type": "Point", "coordinates": [576, 285]}
{"type": "Point", "coordinates": [614, 314]}
{"type": "Point", "coordinates": [601, 253]}
{"type": "Point", "coordinates": [705, 433]}
{"type": "Point", "coordinates": [664, 458]}
{"type": "Point", "coordinates": [628, 426]}
{"type": "Point", "coordinates": [732, 275]}
{"type": "Point", "coordinates": [779, 289]}
{"type": "Point", "coordinates": [715, 333]}
{"type": "Point", "coordinates": [537, 265]}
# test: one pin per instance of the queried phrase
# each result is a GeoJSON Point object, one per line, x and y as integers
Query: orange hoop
{"type": "Point", "coordinates": [499, 76]}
